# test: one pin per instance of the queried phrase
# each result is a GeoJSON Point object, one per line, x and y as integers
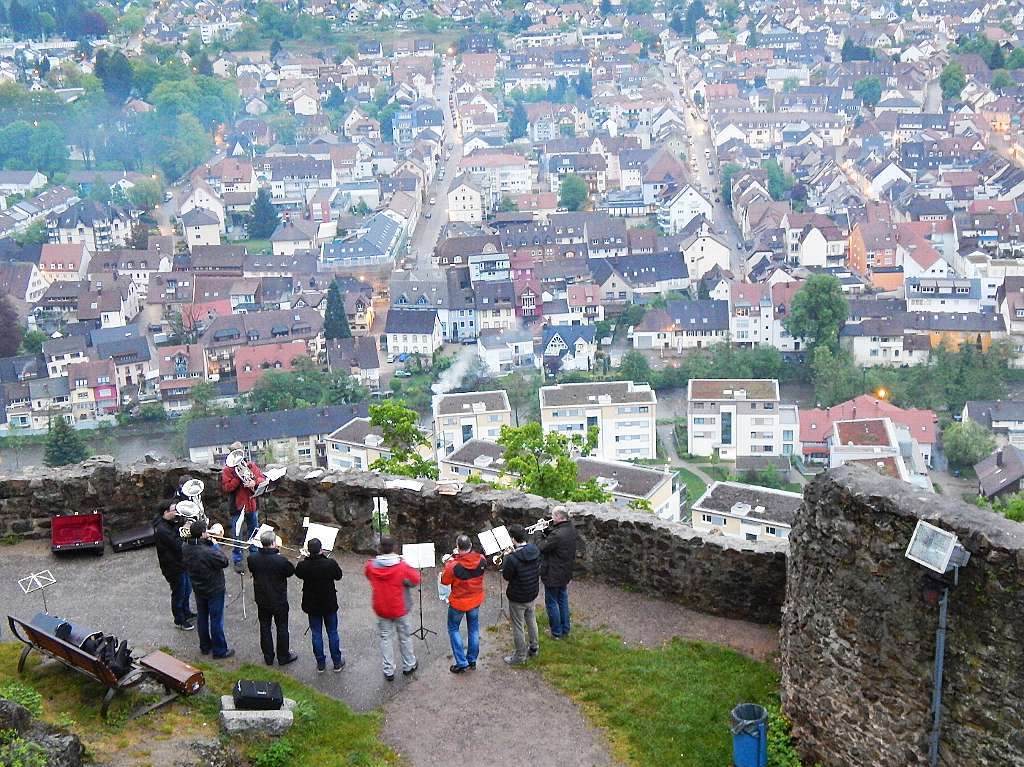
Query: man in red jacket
{"type": "Point", "coordinates": [390, 579]}
{"type": "Point", "coordinates": [241, 504]}
{"type": "Point", "coordinates": [464, 572]}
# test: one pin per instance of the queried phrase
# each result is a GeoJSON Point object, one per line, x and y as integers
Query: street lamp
{"type": "Point", "coordinates": [937, 550]}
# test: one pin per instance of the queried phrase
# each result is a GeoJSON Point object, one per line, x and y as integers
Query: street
{"type": "Point", "coordinates": [699, 132]}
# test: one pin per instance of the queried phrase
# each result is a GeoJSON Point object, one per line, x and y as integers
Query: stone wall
{"type": "Point", "coordinates": [631, 549]}
{"type": "Point", "coordinates": [858, 639]}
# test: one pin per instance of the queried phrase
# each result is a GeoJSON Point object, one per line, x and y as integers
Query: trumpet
{"type": "Point", "coordinates": [540, 526]}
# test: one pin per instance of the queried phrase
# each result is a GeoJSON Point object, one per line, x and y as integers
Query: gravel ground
{"type": "Point", "coordinates": [488, 714]}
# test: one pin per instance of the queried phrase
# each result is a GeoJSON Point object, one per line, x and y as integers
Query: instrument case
{"type": "Point", "coordinates": [254, 695]}
{"type": "Point", "coordinates": [173, 673]}
{"type": "Point", "coordinates": [136, 538]}
{"type": "Point", "coordinates": [78, 531]}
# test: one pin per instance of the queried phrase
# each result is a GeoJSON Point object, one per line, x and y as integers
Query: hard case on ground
{"type": "Point", "coordinates": [78, 531]}
{"type": "Point", "coordinates": [137, 538]}
{"type": "Point", "coordinates": [255, 695]}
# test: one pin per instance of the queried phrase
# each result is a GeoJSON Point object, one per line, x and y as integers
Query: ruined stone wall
{"type": "Point", "coordinates": [631, 549]}
{"type": "Point", "coordinates": [858, 640]}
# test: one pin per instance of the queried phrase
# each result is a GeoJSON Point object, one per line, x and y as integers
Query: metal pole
{"type": "Point", "coordinates": [940, 652]}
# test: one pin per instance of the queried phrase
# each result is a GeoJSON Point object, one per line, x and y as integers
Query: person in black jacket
{"type": "Point", "coordinates": [205, 564]}
{"type": "Point", "coordinates": [167, 535]}
{"type": "Point", "coordinates": [318, 574]}
{"type": "Point", "coordinates": [558, 552]}
{"type": "Point", "coordinates": [521, 568]}
{"type": "Point", "coordinates": [270, 573]}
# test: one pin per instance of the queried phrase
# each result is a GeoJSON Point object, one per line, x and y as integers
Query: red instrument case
{"type": "Point", "coordinates": [77, 532]}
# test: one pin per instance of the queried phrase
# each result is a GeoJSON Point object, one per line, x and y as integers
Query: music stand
{"type": "Point", "coordinates": [496, 541]}
{"type": "Point", "coordinates": [37, 582]}
{"type": "Point", "coordinates": [420, 556]}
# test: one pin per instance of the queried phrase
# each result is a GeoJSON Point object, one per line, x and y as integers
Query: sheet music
{"type": "Point", "coordinates": [325, 533]}
{"type": "Point", "coordinates": [488, 542]}
{"type": "Point", "coordinates": [403, 484]}
{"type": "Point", "coordinates": [503, 538]}
{"type": "Point", "coordinates": [419, 555]}
{"type": "Point", "coordinates": [276, 473]}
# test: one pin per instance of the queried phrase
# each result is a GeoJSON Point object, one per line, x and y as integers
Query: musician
{"type": "Point", "coordinates": [270, 573]}
{"type": "Point", "coordinates": [167, 535]}
{"type": "Point", "coordinates": [241, 503]}
{"type": "Point", "coordinates": [390, 580]}
{"type": "Point", "coordinates": [464, 572]}
{"type": "Point", "coordinates": [558, 553]}
{"type": "Point", "coordinates": [205, 564]}
{"type": "Point", "coordinates": [318, 574]}
{"type": "Point", "coordinates": [179, 493]}
{"type": "Point", "coordinates": [521, 568]}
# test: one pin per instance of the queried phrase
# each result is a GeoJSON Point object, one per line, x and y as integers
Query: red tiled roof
{"type": "Point", "coordinates": [816, 425]}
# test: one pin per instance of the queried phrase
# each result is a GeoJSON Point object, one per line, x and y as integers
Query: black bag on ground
{"type": "Point", "coordinates": [254, 695]}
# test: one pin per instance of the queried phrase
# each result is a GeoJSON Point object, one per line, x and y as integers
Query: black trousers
{"type": "Point", "coordinates": [280, 618]}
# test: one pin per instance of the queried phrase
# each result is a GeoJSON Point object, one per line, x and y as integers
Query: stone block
{"type": "Point", "coordinates": [274, 723]}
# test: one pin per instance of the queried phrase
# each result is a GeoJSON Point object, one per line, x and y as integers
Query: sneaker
{"type": "Point", "coordinates": [203, 652]}
{"type": "Point", "coordinates": [292, 657]}
{"type": "Point", "coordinates": [533, 652]}
{"type": "Point", "coordinates": [229, 654]}
{"type": "Point", "coordinates": [321, 667]}
{"type": "Point", "coordinates": [472, 665]}
{"type": "Point", "coordinates": [511, 660]}
{"type": "Point", "coordinates": [458, 669]}
{"type": "Point", "coordinates": [186, 626]}
{"type": "Point", "coordinates": [269, 661]}
{"type": "Point", "coordinates": [415, 666]}
{"type": "Point", "coordinates": [389, 677]}
{"type": "Point", "coordinates": [339, 666]}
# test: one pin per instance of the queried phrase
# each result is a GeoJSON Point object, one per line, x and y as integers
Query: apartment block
{"type": "Point", "coordinates": [624, 412]}
{"type": "Point", "coordinates": [748, 512]}
{"type": "Point", "coordinates": [459, 418]}
{"type": "Point", "coordinates": [740, 418]}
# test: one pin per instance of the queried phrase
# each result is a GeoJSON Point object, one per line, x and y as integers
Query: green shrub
{"type": "Point", "coordinates": [23, 695]}
{"type": "Point", "coordinates": [781, 751]}
{"type": "Point", "coordinates": [22, 753]}
{"type": "Point", "coordinates": [279, 754]}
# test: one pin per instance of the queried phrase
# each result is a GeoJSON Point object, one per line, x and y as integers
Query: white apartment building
{"type": "Point", "coordinates": [355, 446]}
{"type": "Point", "coordinates": [735, 418]}
{"type": "Point", "coordinates": [412, 331]}
{"type": "Point", "coordinates": [880, 444]}
{"type": "Point", "coordinates": [623, 411]}
{"type": "Point", "coordinates": [459, 418]}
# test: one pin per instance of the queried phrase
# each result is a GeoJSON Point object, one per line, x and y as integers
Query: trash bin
{"type": "Point", "coordinates": [749, 735]}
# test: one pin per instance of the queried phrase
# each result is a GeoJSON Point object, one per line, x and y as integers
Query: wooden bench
{"type": "Point", "coordinates": [76, 659]}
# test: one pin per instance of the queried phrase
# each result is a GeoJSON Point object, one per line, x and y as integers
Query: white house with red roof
{"type": "Point", "coordinates": [64, 261]}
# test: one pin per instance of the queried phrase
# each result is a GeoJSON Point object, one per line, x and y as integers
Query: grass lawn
{"type": "Point", "coordinates": [254, 246]}
{"type": "Point", "coordinates": [658, 706]}
{"type": "Point", "coordinates": [326, 731]}
{"type": "Point", "coordinates": [716, 472]}
{"type": "Point", "coordinates": [695, 486]}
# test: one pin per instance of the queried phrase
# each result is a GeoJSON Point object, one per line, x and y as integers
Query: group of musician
{"type": "Point", "coordinates": [194, 565]}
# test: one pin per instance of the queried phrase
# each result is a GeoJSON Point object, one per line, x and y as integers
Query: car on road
{"type": "Point", "coordinates": [168, 195]}
{"type": "Point", "coordinates": [433, 201]}
{"type": "Point", "coordinates": [427, 214]}
{"type": "Point", "coordinates": [468, 342]}
{"type": "Point", "coordinates": [403, 373]}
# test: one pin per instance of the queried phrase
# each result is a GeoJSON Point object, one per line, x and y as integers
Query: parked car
{"type": "Point", "coordinates": [403, 373]}
{"type": "Point", "coordinates": [468, 342]}
{"type": "Point", "coordinates": [403, 357]}
{"type": "Point", "coordinates": [433, 201]}
{"type": "Point", "coordinates": [427, 214]}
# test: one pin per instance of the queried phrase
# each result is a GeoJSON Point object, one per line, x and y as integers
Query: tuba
{"type": "Point", "coordinates": [188, 512]}
{"type": "Point", "coordinates": [193, 490]}
{"type": "Point", "coordinates": [236, 460]}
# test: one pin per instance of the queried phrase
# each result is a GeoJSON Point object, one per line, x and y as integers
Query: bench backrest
{"type": "Point", "coordinates": [64, 651]}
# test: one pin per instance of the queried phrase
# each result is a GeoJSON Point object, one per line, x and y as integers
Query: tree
{"type": "Point", "coordinates": [573, 192]}
{"type": "Point", "coordinates": [518, 123]}
{"type": "Point", "coordinates": [10, 328]}
{"type": "Point", "coordinates": [952, 80]}
{"type": "Point", "coordinates": [852, 52]}
{"type": "Point", "coordinates": [779, 183]}
{"type": "Point", "coordinates": [32, 342]}
{"type": "Point", "coordinates": [1016, 59]}
{"type": "Point", "coordinates": [635, 367]}
{"type": "Point", "coordinates": [522, 393]}
{"type": "Point", "coordinates": [585, 85]}
{"type": "Point", "coordinates": [115, 72]}
{"type": "Point", "coordinates": [146, 193]}
{"type": "Point", "coordinates": [335, 319]}
{"type": "Point", "coordinates": [139, 238]}
{"type": "Point", "coordinates": [817, 312]}
{"type": "Point", "coordinates": [868, 90]}
{"type": "Point", "coordinates": [606, 8]}
{"type": "Point", "coordinates": [790, 84]}
{"type": "Point", "coordinates": [694, 13]}
{"type": "Point", "coordinates": [836, 379]}
{"type": "Point", "coordinates": [997, 60]}
{"type": "Point", "coordinates": [1002, 80]}
{"type": "Point", "coordinates": [966, 443]}
{"type": "Point", "coordinates": [33, 234]}
{"type": "Point", "coordinates": [545, 464]}
{"type": "Point", "coordinates": [730, 170]}
{"type": "Point", "coordinates": [47, 149]}
{"type": "Point", "coordinates": [275, 48]}
{"type": "Point", "coordinates": [262, 219]}
{"type": "Point", "coordinates": [753, 39]}
{"type": "Point", "coordinates": [507, 205]}
{"type": "Point", "coordinates": [401, 436]}
{"type": "Point", "coordinates": [63, 444]}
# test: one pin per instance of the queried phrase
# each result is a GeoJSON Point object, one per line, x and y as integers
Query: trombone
{"type": "Point", "coordinates": [216, 534]}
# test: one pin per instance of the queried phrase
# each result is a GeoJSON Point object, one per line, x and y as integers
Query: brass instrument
{"type": "Point", "coordinates": [188, 512]}
{"type": "Point", "coordinates": [540, 526]}
{"type": "Point", "coordinates": [216, 534]}
{"type": "Point", "coordinates": [193, 490]}
{"type": "Point", "coordinates": [236, 460]}
{"type": "Point", "coordinates": [498, 558]}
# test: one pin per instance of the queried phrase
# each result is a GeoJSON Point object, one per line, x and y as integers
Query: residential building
{"type": "Point", "coordinates": [683, 325]}
{"type": "Point", "coordinates": [98, 226]}
{"type": "Point", "coordinates": [293, 436]}
{"type": "Point", "coordinates": [412, 331]}
{"type": "Point", "coordinates": [740, 418]}
{"type": "Point", "coordinates": [93, 390]}
{"type": "Point", "coordinates": [879, 444]}
{"type": "Point", "coordinates": [465, 201]}
{"type": "Point", "coordinates": [1004, 418]}
{"type": "Point", "coordinates": [816, 425]}
{"type": "Point", "coordinates": [358, 357]}
{"type": "Point", "coordinates": [1001, 474]}
{"type": "Point", "coordinates": [746, 512]}
{"type": "Point", "coordinates": [68, 261]}
{"type": "Point", "coordinates": [503, 351]}
{"type": "Point", "coordinates": [201, 226]}
{"type": "Point", "coordinates": [459, 418]}
{"type": "Point", "coordinates": [624, 413]}
{"type": "Point", "coordinates": [355, 446]}
{"type": "Point", "coordinates": [568, 347]}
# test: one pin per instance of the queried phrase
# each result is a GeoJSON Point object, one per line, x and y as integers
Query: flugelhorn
{"type": "Point", "coordinates": [540, 526]}
{"type": "Point", "coordinates": [236, 460]}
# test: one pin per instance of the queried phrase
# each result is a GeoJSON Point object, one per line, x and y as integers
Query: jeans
{"type": "Point", "coordinates": [210, 625]}
{"type": "Point", "coordinates": [387, 628]}
{"type": "Point", "coordinates": [316, 625]}
{"type": "Point", "coordinates": [250, 522]}
{"type": "Point", "coordinates": [181, 590]}
{"type": "Point", "coordinates": [463, 657]}
{"type": "Point", "coordinates": [280, 618]}
{"type": "Point", "coordinates": [556, 600]}
{"type": "Point", "coordinates": [524, 621]}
